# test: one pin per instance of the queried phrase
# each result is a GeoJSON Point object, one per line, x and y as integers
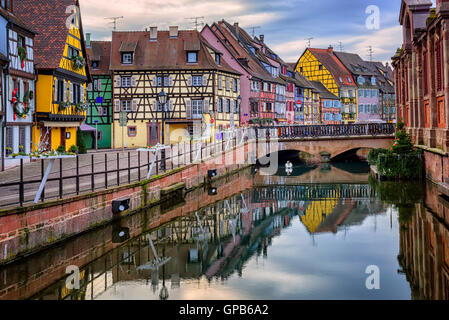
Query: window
{"type": "Point", "coordinates": [126, 105]}
{"type": "Point", "coordinates": [197, 81]}
{"type": "Point", "coordinates": [234, 86]}
{"type": "Point", "coordinates": [127, 58]}
{"type": "Point", "coordinates": [373, 81]}
{"type": "Point", "coordinates": [220, 105]}
{"type": "Point", "coordinates": [72, 52]}
{"type": "Point", "coordinates": [301, 69]}
{"type": "Point", "coordinates": [94, 65]}
{"type": "Point", "coordinates": [163, 81]}
{"type": "Point", "coordinates": [20, 41]}
{"type": "Point", "coordinates": [228, 106]}
{"type": "Point", "coordinates": [425, 74]}
{"type": "Point", "coordinates": [197, 108]}
{"type": "Point", "coordinates": [320, 67]}
{"type": "Point", "coordinates": [439, 66]}
{"type": "Point", "coordinates": [76, 93]}
{"type": "Point", "coordinates": [61, 89]}
{"type": "Point", "coordinates": [217, 59]}
{"type": "Point", "coordinates": [236, 106]}
{"type": "Point", "coordinates": [349, 80]}
{"type": "Point", "coordinates": [132, 131]}
{"type": "Point", "coordinates": [126, 82]}
{"type": "Point", "coordinates": [220, 82]}
{"type": "Point", "coordinates": [9, 140]}
{"type": "Point", "coordinates": [192, 57]}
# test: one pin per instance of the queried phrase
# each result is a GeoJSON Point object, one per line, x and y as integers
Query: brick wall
{"type": "Point", "coordinates": [24, 230]}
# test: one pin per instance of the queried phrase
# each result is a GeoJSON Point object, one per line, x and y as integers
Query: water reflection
{"type": "Point", "coordinates": [283, 237]}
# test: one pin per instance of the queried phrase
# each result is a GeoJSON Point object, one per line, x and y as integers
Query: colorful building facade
{"type": "Point", "coordinates": [18, 84]}
{"type": "Point", "coordinates": [61, 72]}
{"type": "Point", "coordinates": [330, 105]}
{"type": "Point", "coordinates": [99, 96]}
{"type": "Point", "coordinates": [322, 65]}
{"type": "Point", "coordinates": [202, 88]}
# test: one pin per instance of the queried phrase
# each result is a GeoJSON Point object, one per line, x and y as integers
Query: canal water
{"type": "Point", "coordinates": [319, 232]}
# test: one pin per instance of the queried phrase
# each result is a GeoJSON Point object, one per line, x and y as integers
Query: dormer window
{"type": "Point", "coordinates": [127, 58]}
{"type": "Point", "coordinates": [373, 81]}
{"type": "Point", "coordinates": [94, 65]}
{"type": "Point", "coordinates": [7, 4]}
{"type": "Point", "coordinates": [192, 57]}
{"type": "Point", "coordinates": [217, 59]}
{"type": "Point", "coordinates": [349, 80]}
{"type": "Point", "coordinates": [361, 80]}
{"type": "Point", "coordinates": [341, 80]}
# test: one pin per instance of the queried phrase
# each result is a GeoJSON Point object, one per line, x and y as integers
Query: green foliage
{"type": "Point", "coordinates": [73, 149]}
{"type": "Point", "coordinates": [403, 166]}
{"type": "Point", "coordinates": [373, 155]}
{"type": "Point", "coordinates": [61, 149]}
{"type": "Point", "coordinates": [402, 196]}
{"type": "Point", "coordinates": [82, 149]}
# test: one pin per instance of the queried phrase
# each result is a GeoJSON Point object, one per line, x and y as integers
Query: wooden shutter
{"type": "Point", "coordinates": [117, 105]}
{"type": "Point", "coordinates": [64, 91]}
{"type": "Point", "coordinates": [227, 84]}
{"type": "Point", "coordinates": [154, 81]}
{"type": "Point", "coordinates": [189, 81]}
{"type": "Point", "coordinates": [205, 80]}
{"type": "Point", "coordinates": [118, 82]}
{"type": "Point", "coordinates": [99, 83]}
{"type": "Point", "coordinates": [220, 82]}
{"type": "Point", "coordinates": [133, 81]}
{"type": "Point", "coordinates": [134, 105]}
{"type": "Point", "coordinates": [206, 105]}
{"type": "Point", "coordinates": [188, 109]}
{"type": "Point", "coordinates": [21, 88]}
{"type": "Point", "coordinates": [82, 93]}
{"type": "Point", "coordinates": [238, 85]}
{"type": "Point", "coordinates": [170, 81]}
{"type": "Point", "coordinates": [89, 86]}
{"type": "Point", "coordinates": [55, 98]}
{"type": "Point", "coordinates": [71, 92]}
{"type": "Point", "coordinates": [11, 87]}
{"type": "Point", "coordinates": [170, 105]}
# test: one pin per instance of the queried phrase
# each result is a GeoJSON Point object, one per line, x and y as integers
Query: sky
{"type": "Point", "coordinates": [286, 24]}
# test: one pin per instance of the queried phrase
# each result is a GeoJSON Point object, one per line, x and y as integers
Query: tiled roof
{"type": "Point", "coordinates": [254, 67]}
{"type": "Point", "coordinates": [324, 93]}
{"type": "Point", "coordinates": [354, 63]}
{"type": "Point", "coordinates": [166, 53]}
{"type": "Point", "coordinates": [99, 51]}
{"type": "Point", "coordinates": [14, 18]}
{"type": "Point", "coordinates": [334, 65]}
{"type": "Point", "coordinates": [302, 82]}
{"type": "Point", "coordinates": [48, 18]}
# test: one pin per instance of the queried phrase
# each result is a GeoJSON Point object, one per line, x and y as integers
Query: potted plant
{"type": "Point", "coordinates": [78, 62]}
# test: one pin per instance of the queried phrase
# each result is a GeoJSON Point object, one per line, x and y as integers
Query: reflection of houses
{"type": "Point", "coordinates": [424, 253]}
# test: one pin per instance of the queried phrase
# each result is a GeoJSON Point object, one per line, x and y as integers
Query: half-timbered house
{"type": "Point", "coordinates": [99, 95]}
{"type": "Point", "coordinates": [18, 84]}
{"type": "Point", "coordinates": [61, 68]}
{"type": "Point", "coordinates": [202, 88]}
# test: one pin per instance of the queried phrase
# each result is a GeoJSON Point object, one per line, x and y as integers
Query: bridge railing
{"type": "Point", "coordinates": [315, 131]}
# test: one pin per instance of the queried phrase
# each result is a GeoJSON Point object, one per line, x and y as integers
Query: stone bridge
{"type": "Point", "coordinates": [323, 142]}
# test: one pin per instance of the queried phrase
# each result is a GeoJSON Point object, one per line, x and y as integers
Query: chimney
{"type": "Point", "coordinates": [442, 5]}
{"type": "Point", "coordinates": [173, 32]}
{"type": "Point", "coordinates": [153, 33]}
{"type": "Point", "coordinates": [236, 25]}
{"type": "Point", "coordinates": [88, 40]}
{"type": "Point", "coordinates": [330, 49]}
{"type": "Point", "coordinates": [262, 38]}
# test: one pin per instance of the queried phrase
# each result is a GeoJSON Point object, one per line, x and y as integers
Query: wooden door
{"type": "Point", "coordinates": [63, 137]}
{"type": "Point", "coordinates": [153, 133]}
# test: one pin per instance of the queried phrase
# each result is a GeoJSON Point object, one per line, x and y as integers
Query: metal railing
{"type": "Point", "coordinates": [89, 173]}
{"type": "Point", "coordinates": [324, 131]}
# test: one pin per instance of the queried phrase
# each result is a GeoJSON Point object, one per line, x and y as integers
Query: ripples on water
{"type": "Point", "coordinates": [310, 235]}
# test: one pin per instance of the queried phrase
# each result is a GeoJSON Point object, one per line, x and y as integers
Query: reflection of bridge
{"type": "Point", "coordinates": [311, 192]}
{"type": "Point", "coordinates": [332, 139]}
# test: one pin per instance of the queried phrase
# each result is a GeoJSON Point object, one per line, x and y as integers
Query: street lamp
{"type": "Point", "coordinates": [162, 100]}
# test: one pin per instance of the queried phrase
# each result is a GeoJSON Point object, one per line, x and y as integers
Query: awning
{"type": "Point", "coordinates": [61, 124]}
{"type": "Point", "coordinates": [86, 127]}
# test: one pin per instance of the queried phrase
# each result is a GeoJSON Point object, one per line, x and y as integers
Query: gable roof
{"type": "Point", "coordinates": [99, 51]}
{"type": "Point", "coordinates": [48, 18]}
{"type": "Point", "coordinates": [166, 53]}
{"type": "Point", "coordinates": [354, 63]}
{"type": "Point", "coordinates": [334, 65]}
{"type": "Point", "coordinates": [242, 53]}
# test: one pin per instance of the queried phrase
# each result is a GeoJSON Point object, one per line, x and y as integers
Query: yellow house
{"type": "Point", "coordinates": [62, 73]}
{"type": "Point", "coordinates": [201, 88]}
{"type": "Point", "coordinates": [323, 65]}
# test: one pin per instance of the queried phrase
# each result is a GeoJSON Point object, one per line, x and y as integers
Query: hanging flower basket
{"type": "Point", "coordinates": [22, 55]}
{"type": "Point", "coordinates": [78, 62]}
{"type": "Point", "coordinates": [81, 107]}
{"type": "Point", "coordinates": [64, 105]}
